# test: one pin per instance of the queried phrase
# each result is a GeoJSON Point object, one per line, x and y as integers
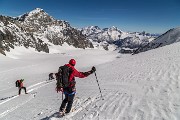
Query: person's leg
{"type": "Point", "coordinates": [64, 102]}
{"type": "Point", "coordinates": [19, 91]}
{"type": "Point", "coordinates": [25, 90]}
{"type": "Point", "coordinates": [70, 102]}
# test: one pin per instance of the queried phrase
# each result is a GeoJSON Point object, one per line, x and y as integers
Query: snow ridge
{"type": "Point", "coordinates": [170, 37]}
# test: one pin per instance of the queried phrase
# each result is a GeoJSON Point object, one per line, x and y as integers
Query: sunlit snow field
{"type": "Point", "coordinates": [144, 86]}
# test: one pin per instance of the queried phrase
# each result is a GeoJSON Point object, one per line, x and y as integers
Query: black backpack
{"type": "Point", "coordinates": [62, 76]}
{"type": "Point", "coordinates": [17, 83]}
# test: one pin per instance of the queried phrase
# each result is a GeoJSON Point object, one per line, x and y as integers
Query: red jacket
{"type": "Point", "coordinates": [21, 84]}
{"type": "Point", "coordinates": [76, 73]}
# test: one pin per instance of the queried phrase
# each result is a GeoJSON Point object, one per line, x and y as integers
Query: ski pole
{"type": "Point", "coordinates": [62, 95]}
{"type": "Point", "coordinates": [98, 85]}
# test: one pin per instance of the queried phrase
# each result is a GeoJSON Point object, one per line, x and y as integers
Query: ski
{"type": "Point", "coordinates": [58, 114]}
{"type": "Point", "coordinates": [7, 97]}
{"type": "Point", "coordinates": [62, 114]}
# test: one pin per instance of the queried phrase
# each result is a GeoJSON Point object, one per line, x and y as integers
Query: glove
{"type": "Point", "coordinates": [93, 69]}
{"type": "Point", "coordinates": [73, 89]}
{"type": "Point", "coordinates": [59, 89]}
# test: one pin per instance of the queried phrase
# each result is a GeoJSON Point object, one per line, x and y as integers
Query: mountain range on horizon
{"type": "Point", "coordinates": [38, 30]}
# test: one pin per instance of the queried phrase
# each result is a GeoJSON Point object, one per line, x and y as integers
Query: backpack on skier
{"type": "Point", "coordinates": [62, 77]}
{"type": "Point", "coordinates": [17, 83]}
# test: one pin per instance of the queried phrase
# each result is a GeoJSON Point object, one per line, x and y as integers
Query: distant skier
{"type": "Point", "coordinates": [19, 84]}
{"type": "Point", "coordinates": [51, 76]}
{"type": "Point", "coordinates": [69, 87]}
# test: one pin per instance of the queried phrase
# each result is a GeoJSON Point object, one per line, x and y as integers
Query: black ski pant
{"type": "Point", "coordinates": [69, 101]}
{"type": "Point", "coordinates": [22, 88]}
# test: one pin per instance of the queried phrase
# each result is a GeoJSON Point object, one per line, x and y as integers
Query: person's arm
{"type": "Point", "coordinates": [79, 74]}
{"type": "Point", "coordinates": [82, 74]}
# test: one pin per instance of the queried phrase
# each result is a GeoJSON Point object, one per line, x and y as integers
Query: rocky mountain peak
{"type": "Point", "coordinates": [37, 14]}
{"type": "Point", "coordinates": [113, 28]}
{"type": "Point", "coordinates": [37, 29]}
{"type": "Point", "coordinates": [94, 27]}
{"type": "Point", "coordinates": [37, 10]}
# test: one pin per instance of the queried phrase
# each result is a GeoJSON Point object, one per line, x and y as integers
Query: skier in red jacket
{"type": "Point", "coordinates": [21, 86]}
{"type": "Point", "coordinates": [71, 90]}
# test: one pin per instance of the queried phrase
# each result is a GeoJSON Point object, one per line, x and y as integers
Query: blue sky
{"type": "Point", "coordinates": [154, 16]}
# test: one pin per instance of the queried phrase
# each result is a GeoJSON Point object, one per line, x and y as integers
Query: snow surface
{"type": "Point", "coordinates": [145, 86]}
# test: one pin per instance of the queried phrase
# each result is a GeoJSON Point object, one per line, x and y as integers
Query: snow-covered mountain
{"type": "Point", "coordinates": [170, 37]}
{"type": "Point", "coordinates": [106, 34]}
{"type": "Point", "coordinates": [36, 29]}
{"type": "Point", "coordinates": [40, 31]}
{"type": "Point", "coordinates": [113, 35]}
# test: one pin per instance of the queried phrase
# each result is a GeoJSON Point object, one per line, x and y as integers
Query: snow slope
{"type": "Point", "coordinates": [139, 87]}
{"type": "Point", "coordinates": [170, 37]}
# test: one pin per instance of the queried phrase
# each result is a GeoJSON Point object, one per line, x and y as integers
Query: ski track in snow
{"type": "Point", "coordinates": [30, 89]}
{"type": "Point", "coordinates": [121, 105]}
{"type": "Point", "coordinates": [3, 114]}
{"type": "Point", "coordinates": [155, 101]}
